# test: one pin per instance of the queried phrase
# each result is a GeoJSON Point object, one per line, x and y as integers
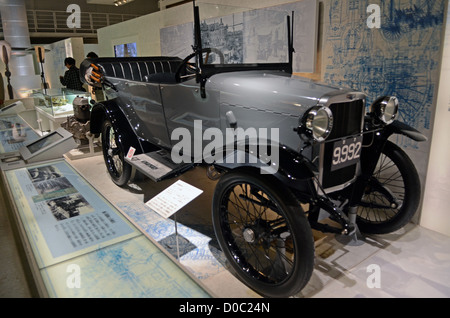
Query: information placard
{"type": "Point", "coordinates": [173, 198]}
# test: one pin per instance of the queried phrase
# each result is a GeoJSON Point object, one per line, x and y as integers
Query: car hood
{"type": "Point", "coordinates": [270, 91]}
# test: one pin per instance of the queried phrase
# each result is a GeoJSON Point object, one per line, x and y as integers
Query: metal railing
{"type": "Point", "coordinates": [55, 22]}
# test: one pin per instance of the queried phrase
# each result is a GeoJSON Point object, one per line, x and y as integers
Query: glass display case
{"type": "Point", "coordinates": [57, 102]}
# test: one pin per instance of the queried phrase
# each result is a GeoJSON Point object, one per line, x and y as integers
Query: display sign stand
{"type": "Point", "coordinates": [49, 147]}
{"type": "Point", "coordinates": [171, 200]}
{"type": "Point", "coordinates": [176, 236]}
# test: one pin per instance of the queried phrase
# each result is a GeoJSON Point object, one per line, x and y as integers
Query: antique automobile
{"type": "Point", "coordinates": [289, 154]}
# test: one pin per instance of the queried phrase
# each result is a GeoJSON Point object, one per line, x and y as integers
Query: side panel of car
{"type": "Point", "coordinates": [144, 110]}
{"type": "Point", "coordinates": [186, 111]}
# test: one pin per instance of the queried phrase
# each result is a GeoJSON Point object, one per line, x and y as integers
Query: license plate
{"type": "Point", "coordinates": [346, 152]}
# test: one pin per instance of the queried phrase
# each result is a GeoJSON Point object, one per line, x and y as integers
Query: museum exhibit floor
{"type": "Point", "coordinates": [413, 262]}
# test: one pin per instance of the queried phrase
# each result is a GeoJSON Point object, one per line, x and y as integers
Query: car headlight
{"type": "Point", "coordinates": [318, 122]}
{"type": "Point", "coordinates": [385, 108]}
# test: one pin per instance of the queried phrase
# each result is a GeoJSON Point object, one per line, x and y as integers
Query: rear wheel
{"type": "Point", "coordinates": [264, 233]}
{"type": "Point", "coordinates": [113, 154]}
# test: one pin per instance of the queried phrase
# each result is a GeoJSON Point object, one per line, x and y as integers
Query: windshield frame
{"type": "Point", "coordinates": [207, 70]}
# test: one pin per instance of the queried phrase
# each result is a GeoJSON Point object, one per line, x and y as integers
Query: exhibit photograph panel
{"type": "Point", "coordinates": [63, 215]}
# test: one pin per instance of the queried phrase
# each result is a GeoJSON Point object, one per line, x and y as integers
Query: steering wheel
{"type": "Point", "coordinates": [189, 69]}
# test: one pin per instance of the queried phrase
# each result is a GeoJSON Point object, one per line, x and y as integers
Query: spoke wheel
{"type": "Point", "coordinates": [113, 154]}
{"type": "Point", "coordinates": [392, 195]}
{"type": "Point", "coordinates": [263, 233]}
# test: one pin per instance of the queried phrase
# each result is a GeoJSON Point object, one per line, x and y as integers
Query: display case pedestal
{"type": "Point", "coordinates": [48, 122]}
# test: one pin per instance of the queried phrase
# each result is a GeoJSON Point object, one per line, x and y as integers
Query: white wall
{"type": "Point", "coordinates": [90, 48]}
{"type": "Point", "coordinates": [436, 205]}
{"type": "Point", "coordinates": [143, 30]}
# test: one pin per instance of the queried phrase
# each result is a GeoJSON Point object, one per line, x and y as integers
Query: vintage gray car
{"type": "Point", "coordinates": [288, 153]}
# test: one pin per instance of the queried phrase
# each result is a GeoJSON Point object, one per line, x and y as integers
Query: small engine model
{"type": "Point", "coordinates": [79, 124]}
{"type": "Point", "coordinates": [82, 109]}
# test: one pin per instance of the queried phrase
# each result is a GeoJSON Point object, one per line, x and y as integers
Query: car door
{"type": "Point", "coordinates": [187, 112]}
{"type": "Point", "coordinates": [144, 110]}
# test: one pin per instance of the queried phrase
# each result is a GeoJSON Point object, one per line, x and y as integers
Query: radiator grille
{"type": "Point", "coordinates": [348, 121]}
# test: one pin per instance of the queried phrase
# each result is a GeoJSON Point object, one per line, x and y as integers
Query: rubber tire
{"type": "Point", "coordinates": [303, 241]}
{"type": "Point", "coordinates": [411, 199]}
{"type": "Point", "coordinates": [123, 178]}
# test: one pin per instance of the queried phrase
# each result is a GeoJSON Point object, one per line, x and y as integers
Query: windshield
{"type": "Point", "coordinates": [230, 36]}
{"type": "Point", "coordinates": [243, 36]}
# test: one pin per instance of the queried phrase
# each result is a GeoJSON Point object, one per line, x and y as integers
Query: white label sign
{"type": "Point", "coordinates": [131, 153]}
{"type": "Point", "coordinates": [173, 198]}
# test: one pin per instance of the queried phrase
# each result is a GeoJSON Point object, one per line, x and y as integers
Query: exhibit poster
{"type": "Point", "coordinates": [14, 134]}
{"type": "Point", "coordinates": [62, 214]}
{"type": "Point", "coordinates": [399, 58]}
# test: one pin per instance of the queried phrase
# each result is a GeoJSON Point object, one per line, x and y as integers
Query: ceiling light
{"type": "Point", "coordinates": [121, 2]}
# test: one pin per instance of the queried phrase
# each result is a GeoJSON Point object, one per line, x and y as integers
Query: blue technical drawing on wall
{"type": "Point", "coordinates": [400, 58]}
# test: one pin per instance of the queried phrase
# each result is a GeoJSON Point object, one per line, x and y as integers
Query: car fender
{"type": "Point", "coordinates": [110, 110]}
{"type": "Point", "coordinates": [291, 168]}
{"type": "Point", "coordinates": [398, 127]}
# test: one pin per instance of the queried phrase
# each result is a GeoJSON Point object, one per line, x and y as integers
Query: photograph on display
{"type": "Point", "coordinates": [52, 185]}
{"type": "Point", "coordinates": [58, 193]}
{"type": "Point", "coordinates": [67, 215]}
{"type": "Point", "coordinates": [39, 174]}
{"type": "Point", "coordinates": [69, 206]}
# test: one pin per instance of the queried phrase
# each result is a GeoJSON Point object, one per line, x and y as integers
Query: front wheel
{"type": "Point", "coordinates": [264, 233]}
{"type": "Point", "coordinates": [392, 195]}
{"type": "Point", "coordinates": [113, 154]}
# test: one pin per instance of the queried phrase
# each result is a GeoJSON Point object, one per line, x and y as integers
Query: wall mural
{"type": "Point", "coordinates": [400, 58]}
{"type": "Point", "coordinates": [234, 35]}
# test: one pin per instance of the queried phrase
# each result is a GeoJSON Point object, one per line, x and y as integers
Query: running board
{"type": "Point", "coordinates": [157, 165]}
